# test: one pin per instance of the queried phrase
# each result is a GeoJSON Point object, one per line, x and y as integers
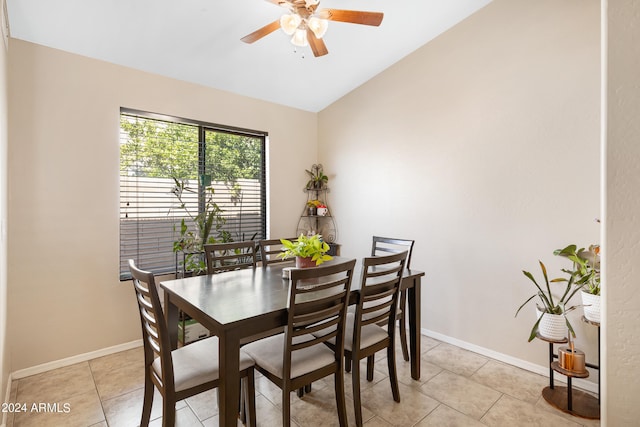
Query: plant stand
{"type": "Point", "coordinates": [566, 399]}
{"type": "Point", "coordinates": [552, 355]}
{"type": "Point", "coordinates": [311, 223]}
{"type": "Point", "coordinates": [597, 324]}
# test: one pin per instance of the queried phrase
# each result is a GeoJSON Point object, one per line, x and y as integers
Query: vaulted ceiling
{"type": "Point", "coordinates": [199, 41]}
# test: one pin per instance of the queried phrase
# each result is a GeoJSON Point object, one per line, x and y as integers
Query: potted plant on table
{"type": "Point", "coordinates": [309, 251]}
{"type": "Point", "coordinates": [586, 269]}
{"type": "Point", "coordinates": [552, 322]}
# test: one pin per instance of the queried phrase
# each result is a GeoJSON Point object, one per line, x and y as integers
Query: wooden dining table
{"type": "Point", "coordinates": [239, 304]}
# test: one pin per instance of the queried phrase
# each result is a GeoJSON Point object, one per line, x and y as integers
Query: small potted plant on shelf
{"type": "Point", "coordinates": [312, 207]}
{"type": "Point", "coordinates": [309, 251]}
{"type": "Point", "coordinates": [586, 270]}
{"type": "Point", "coordinates": [552, 322]}
{"type": "Point", "coordinates": [317, 178]}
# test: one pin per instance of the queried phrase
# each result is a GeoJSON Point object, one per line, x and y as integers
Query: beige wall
{"type": "Point", "coordinates": [621, 329]}
{"type": "Point", "coordinates": [483, 146]}
{"type": "Point", "coordinates": [64, 293]}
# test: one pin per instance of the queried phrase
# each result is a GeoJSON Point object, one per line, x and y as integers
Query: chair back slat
{"type": "Point", "coordinates": [328, 328]}
{"type": "Point", "coordinates": [155, 335]}
{"type": "Point", "coordinates": [314, 286]}
{"type": "Point", "coordinates": [221, 257]}
{"type": "Point", "coordinates": [378, 309]}
{"type": "Point", "coordinates": [315, 317]}
{"type": "Point", "coordinates": [299, 345]}
{"type": "Point", "coordinates": [389, 245]}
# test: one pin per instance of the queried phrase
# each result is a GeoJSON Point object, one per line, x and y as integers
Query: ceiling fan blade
{"type": "Point", "coordinates": [352, 16]}
{"type": "Point", "coordinates": [258, 34]}
{"type": "Point", "coordinates": [317, 45]}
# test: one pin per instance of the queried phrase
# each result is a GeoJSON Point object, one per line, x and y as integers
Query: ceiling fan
{"type": "Point", "coordinates": [306, 24]}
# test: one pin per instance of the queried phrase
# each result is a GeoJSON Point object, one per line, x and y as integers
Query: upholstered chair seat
{"type": "Point", "coordinates": [188, 369]}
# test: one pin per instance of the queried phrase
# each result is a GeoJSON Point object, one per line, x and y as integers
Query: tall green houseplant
{"type": "Point", "coordinates": [191, 241]}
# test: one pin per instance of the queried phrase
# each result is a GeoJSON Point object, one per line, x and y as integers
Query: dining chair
{"type": "Point", "coordinates": [385, 246]}
{"type": "Point", "coordinates": [229, 256]}
{"type": "Point", "coordinates": [379, 290]}
{"type": "Point", "coordinates": [269, 250]}
{"type": "Point", "coordinates": [186, 371]}
{"type": "Point", "coordinates": [318, 298]}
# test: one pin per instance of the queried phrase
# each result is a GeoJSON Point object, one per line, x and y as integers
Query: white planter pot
{"type": "Point", "coordinates": [552, 326]}
{"type": "Point", "coordinates": [322, 211]}
{"type": "Point", "coordinates": [591, 306]}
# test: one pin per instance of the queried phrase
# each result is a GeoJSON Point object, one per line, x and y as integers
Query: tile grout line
{"type": "Point", "coordinates": [95, 386]}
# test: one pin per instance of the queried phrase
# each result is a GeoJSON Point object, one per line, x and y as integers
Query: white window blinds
{"type": "Point", "coordinates": [185, 183]}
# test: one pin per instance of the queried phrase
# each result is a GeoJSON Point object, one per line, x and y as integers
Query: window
{"type": "Point", "coordinates": [185, 183]}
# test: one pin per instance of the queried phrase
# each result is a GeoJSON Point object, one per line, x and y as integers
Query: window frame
{"type": "Point", "coordinates": [202, 128]}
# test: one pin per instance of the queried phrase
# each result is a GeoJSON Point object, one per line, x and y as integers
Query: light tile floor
{"type": "Point", "coordinates": [457, 388]}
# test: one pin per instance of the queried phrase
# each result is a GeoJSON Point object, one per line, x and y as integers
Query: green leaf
{"type": "Point", "coordinates": [532, 335]}
{"type": "Point", "coordinates": [573, 333]}
{"type": "Point", "coordinates": [525, 303]}
{"type": "Point", "coordinates": [569, 250]}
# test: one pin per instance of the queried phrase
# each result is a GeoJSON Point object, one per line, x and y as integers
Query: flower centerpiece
{"type": "Point", "coordinates": [308, 250]}
{"type": "Point", "coordinates": [586, 270]}
{"type": "Point", "coordinates": [552, 322]}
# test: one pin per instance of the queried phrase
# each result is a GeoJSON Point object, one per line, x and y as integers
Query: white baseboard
{"type": "Point", "coordinates": [519, 363]}
{"type": "Point", "coordinates": [38, 369]}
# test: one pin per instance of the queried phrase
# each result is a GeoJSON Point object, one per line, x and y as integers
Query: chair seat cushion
{"type": "Point", "coordinates": [188, 367]}
{"type": "Point", "coordinates": [268, 353]}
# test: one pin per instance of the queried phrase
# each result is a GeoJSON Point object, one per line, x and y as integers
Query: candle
{"type": "Point", "coordinates": [571, 359]}
{"type": "Point", "coordinates": [570, 356]}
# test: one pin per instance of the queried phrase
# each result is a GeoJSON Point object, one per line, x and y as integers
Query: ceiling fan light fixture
{"type": "Point", "coordinates": [300, 38]}
{"type": "Point", "coordinates": [289, 23]}
{"type": "Point", "coordinates": [318, 26]}
{"type": "Point", "coordinates": [306, 24]}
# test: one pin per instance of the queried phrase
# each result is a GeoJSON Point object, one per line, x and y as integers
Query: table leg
{"type": "Point", "coordinates": [171, 317]}
{"type": "Point", "coordinates": [229, 388]}
{"type": "Point", "coordinates": [414, 327]}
